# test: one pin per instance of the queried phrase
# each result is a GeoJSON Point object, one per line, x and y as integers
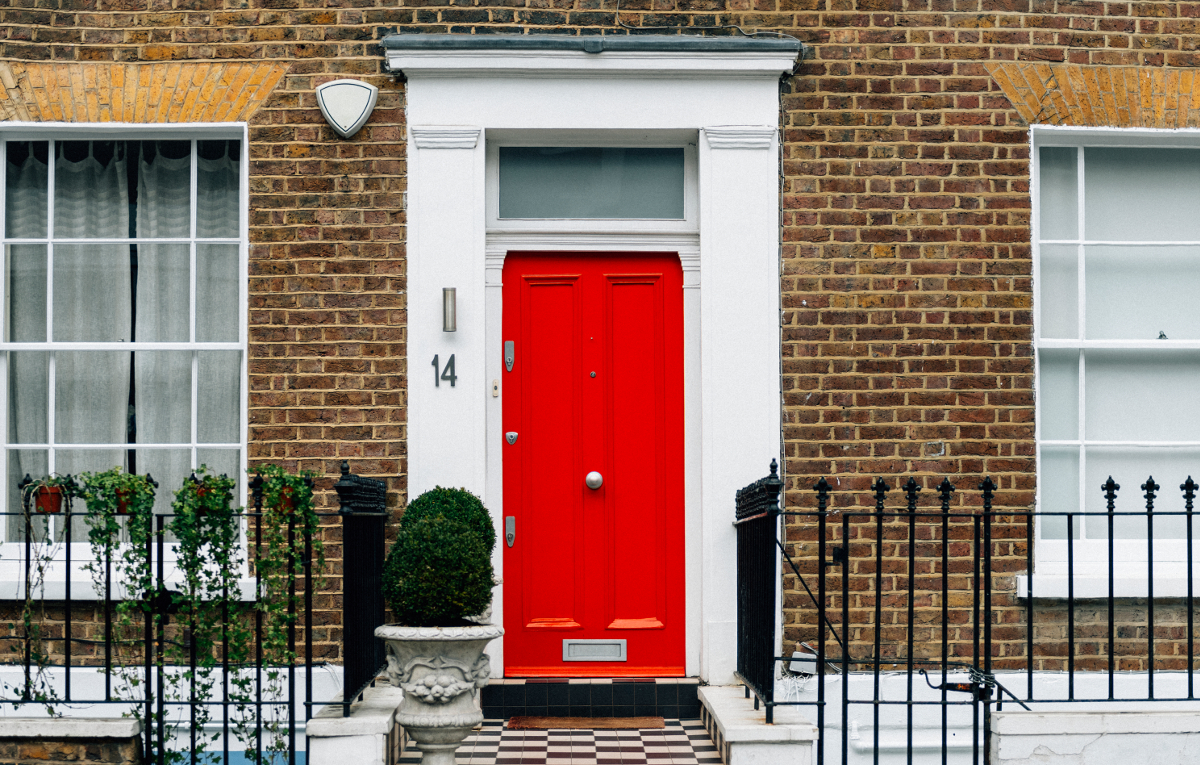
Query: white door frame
{"type": "Point", "coordinates": [727, 99]}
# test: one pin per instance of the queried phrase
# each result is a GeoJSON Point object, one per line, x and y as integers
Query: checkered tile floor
{"type": "Point", "coordinates": [681, 742]}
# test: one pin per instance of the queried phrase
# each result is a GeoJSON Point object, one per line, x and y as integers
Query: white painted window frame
{"type": "Point", "coordinates": [1090, 574]}
{"type": "Point", "coordinates": [458, 102]}
{"type": "Point", "coordinates": [11, 552]}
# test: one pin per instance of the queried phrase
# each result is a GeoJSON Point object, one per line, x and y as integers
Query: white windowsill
{"type": "Point", "coordinates": [84, 590]}
{"type": "Point", "coordinates": [1054, 586]}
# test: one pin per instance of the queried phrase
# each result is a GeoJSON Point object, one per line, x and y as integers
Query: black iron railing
{"type": "Point", "coordinates": [72, 649]}
{"type": "Point", "coordinates": [938, 588]}
{"type": "Point", "coordinates": [757, 518]}
{"type": "Point", "coordinates": [363, 517]}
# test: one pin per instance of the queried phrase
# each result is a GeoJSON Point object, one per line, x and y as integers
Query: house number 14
{"type": "Point", "coordinates": [445, 374]}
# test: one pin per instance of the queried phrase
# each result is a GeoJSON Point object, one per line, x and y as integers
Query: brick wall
{"type": "Point", "coordinates": [905, 221]}
{"type": "Point", "coordinates": [75, 751]}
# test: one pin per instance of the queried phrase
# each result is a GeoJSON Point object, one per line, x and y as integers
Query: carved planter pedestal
{"type": "Point", "coordinates": [440, 670]}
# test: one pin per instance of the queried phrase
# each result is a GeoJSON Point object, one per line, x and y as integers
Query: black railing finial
{"type": "Point", "coordinates": [1189, 492]}
{"type": "Point", "coordinates": [822, 488]}
{"type": "Point", "coordinates": [945, 489]}
{"type": "Point", "coordinates": [988, 487]}
{"type": "Point", "coordinates": [1111, 488]}
{"type": "Point", "coordinates": [911, 490]}
{"type": "Point", "coordinates": [256, 491]}
{"type": "Point", "coordinates": [881, 489]}
{"type": "Point", "coordinates": [774, 468]}
{"type": "Point", "coordinates": [1150, 487]}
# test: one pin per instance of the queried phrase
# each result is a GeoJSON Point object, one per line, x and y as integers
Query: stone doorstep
{"type": "Point", "coordinates": [742, 735]}
{"type": "Point", "coordinates": [67, 728]}
{"type": "Point", "coordinates": [375, 715]}
{"type": "Point", "coordinates": [369, 736]}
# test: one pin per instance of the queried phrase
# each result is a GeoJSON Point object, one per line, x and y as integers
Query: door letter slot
{"type": "Point", "coordinates": [594, 650]}
{"type": "Point", "coordinates": [510, 529]}
{"type": "Point", "coordinates": [510, 354]}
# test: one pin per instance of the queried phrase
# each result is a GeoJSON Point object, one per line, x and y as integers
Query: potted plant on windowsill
{"type": "Point", "coordinates": [45, 494]}
{"type": "Point", "coordinates": [438, 581]}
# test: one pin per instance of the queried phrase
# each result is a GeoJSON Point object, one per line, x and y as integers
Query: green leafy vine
{"type": "Point", "coordinates": [213, 627]}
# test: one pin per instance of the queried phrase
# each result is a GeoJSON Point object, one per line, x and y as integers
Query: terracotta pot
{"type": "Point", "coordinates": [122, 502]}
{"type": "Point", "coordinates": [48, 499]}
{"type": "Point", "coordinates": [440, 670]}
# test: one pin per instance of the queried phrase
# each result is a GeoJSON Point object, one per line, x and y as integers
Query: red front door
{"type": "Point", "coordinates": [593, 575]}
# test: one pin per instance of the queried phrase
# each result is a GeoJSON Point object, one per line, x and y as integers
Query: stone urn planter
{"type": "Point", "coordinates": [440, 670]}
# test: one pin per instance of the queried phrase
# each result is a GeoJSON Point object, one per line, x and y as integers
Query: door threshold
{"type": "Point", "coordinates": [672, 698]}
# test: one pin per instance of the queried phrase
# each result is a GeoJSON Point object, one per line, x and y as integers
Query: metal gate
{"type": "Point", "coordinates": [892, 651]}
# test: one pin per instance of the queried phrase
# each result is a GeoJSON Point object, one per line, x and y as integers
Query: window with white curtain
{"type": "Point", "coordinates": [124, 311]}
{"type": "Point", "coordinates": [1119, 329]}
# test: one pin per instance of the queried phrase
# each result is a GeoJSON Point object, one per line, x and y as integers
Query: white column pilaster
{"type": "Point", "coordinates": [446, 425]}
{"type": "Point", "coordinates": [739, 357]}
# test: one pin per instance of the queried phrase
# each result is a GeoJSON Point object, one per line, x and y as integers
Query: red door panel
{"type": "Point", "coordinates": [597, 385]}
{"type": "Point", "coordinates": [551, 323]}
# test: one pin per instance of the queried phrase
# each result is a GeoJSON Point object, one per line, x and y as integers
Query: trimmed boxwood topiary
{"type": "Point", "coordinates": [439, 570]}
{"type": "Point", "coordinates": [455, 504]}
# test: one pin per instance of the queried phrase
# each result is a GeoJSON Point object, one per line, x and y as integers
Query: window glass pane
{"type": "Point", "coordinates": [220, 397]}
{"type": "Point", "coordinates": [1135, 293]}
{"type": "Point", "coordinates": [91, 189]}
{"type": "Point", "coordinates": [1058, 394]}
{"type": "Point", "coordinates": [28, 397]}
{"type": "Point", "coordinates": [1058, 291]}
{"type": "Point", "coordinates": [217, 199]}
{"type": "Point", "coordinates": [1059, 490]}
{"type": "Point", "coordinates": [27, 173]}
{"type": "Point", "coordinates": [1141, 194]}
{"type": "Point", "coordinates": [1142, 395]}
{"type": "Point", "coordinates": [25, 265]}
{"type": "Point", "coordinates": [1130, 467]}
{"type": "Point", "coordinates": [91, 397]}
{"type": "Point", "coordinates": [163, 274]}
{"type": "Point", "coordinates": [170, 467]}
{"type": "Point", "coordinates": [163, 396]}
{"type": "Point", "coordinates": [164, 188]}
{"type": "Point", "coordinates": [34, 463]}
{"type": "Point", "coordinates": [217, 298]}
{"type": "Point", "coordinates": [1058, 190]}
{"type": "Point", "coordinates": [591, 182]}
{"type": "Point", "coordinates": [92, 292]}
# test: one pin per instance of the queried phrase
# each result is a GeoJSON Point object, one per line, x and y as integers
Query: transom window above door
{"type": "Point", "coordinates": [536, 184]}
{"type": "Point", "coordinates": [123, 322]}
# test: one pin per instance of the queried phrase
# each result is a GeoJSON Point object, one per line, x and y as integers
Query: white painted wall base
{"type": "Point", "coordinates": [66, 728]}
{"type": "Point", "coordinates": [1094, 738]}
{"type": "Point", "coordinates": [369, 736]}
{"type": "Point", "coordinates": [742, 735]}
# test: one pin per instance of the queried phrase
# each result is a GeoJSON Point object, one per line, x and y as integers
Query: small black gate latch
{"type": "Point", "coordinates": [839, 556]}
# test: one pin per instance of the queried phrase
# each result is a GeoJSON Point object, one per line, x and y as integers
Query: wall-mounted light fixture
{"type": "Point", "coordinates": [448, 309]}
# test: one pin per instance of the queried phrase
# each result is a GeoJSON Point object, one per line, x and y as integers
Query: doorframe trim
{"type": "Point", "coordinates": [687, 246]}
{"type": "Point", "coordinates": [446, 237]}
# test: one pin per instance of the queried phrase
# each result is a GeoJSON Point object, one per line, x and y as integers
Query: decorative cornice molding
{"type": "Point", "coordinates": [445, 137]}
{"type": "Point", "coordinates": [740, 136]}
{"type": "Point", "coordinates": [656, 56]}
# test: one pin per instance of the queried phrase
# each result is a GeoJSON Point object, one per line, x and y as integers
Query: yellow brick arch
{"type": "Point", "coordinates": [1101, 96]}
{"type": "Point", "coordinates": [159, 93]}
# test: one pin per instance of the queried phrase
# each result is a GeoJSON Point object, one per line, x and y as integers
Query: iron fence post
{"type": "Point", "coordinates": [363, 511]}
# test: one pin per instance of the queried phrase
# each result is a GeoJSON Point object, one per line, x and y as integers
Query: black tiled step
{"type": "Point", "coordinates": [670, 698]}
